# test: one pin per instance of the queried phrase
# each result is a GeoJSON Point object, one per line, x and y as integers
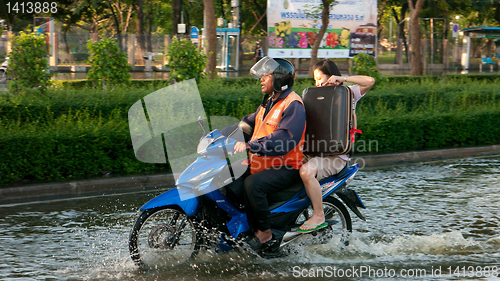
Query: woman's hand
{"type": "Point", "coordinates": [334, 81]}
{"type": "Point", "coordinates": [241, 147]}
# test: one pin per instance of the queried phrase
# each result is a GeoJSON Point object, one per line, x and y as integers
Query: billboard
{"type": "Point", "coordinates": [293, 26]}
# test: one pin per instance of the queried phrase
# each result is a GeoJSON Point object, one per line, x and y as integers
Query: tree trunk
{"type": "Point", "coordinates": [117, 26]}
{"type": "Point", "coordinates": [177, 8]}
{"type": "Point", "coordinates": [324, 25]}
{"type": "Point", "coordinates": [65, 30]}
{"type": "Point", "coordinates": [139, 29]}
{"type": "Point", "coordinates": [380, 12]}
{"type": "Point", "coordinates": [400, 35]}
{"type": "Point", "coordinates": [210, 37]}
{"type": "Point", "coordinates": [417, 68]}
{"type": "Point", "coordinates": [149, 28]}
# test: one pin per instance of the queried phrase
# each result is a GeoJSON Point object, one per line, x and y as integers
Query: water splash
{"type": "Point", "coordinates": [438, 214]}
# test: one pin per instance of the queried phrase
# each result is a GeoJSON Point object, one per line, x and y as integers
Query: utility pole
{"type": "Point", "coordinates": [236, 13]}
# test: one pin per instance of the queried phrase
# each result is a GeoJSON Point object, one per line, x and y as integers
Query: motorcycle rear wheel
{"type": "Point", "coordinates": [338, 217]}
{"type": "Point", "coordinates": [163, 236]}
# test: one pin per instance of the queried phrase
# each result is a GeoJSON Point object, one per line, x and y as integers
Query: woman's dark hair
{"type": "Point", "coordinates": [328, 67]}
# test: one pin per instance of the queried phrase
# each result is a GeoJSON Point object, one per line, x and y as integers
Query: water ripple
{"type": "Point", "coordinates": [440, 214]}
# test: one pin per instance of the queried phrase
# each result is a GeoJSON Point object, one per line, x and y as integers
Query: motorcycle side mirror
{"type": "Point", "coordinates": [200, 122]}
{"type": "Point", "coordinates": [245, 128]}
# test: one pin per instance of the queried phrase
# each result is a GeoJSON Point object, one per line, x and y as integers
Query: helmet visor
{"type": "Point", "coordinates": [265, 66]}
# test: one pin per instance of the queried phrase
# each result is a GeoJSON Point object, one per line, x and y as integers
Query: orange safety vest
{"type": "Point", "coordinates": [267, 126]}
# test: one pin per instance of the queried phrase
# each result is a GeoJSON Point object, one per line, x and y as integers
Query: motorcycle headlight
{"type": "Point", "coordinates": [204, 143]}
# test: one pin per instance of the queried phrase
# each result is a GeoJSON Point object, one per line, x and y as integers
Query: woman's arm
{"type": "Point", "coordinates": [365, 82]}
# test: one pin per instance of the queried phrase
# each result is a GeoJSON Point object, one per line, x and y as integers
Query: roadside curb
{"type": "Point", "coordinates": [387, 160]}
{"type": "Point", "coordinates": [41, 192]}
{"type": "Point", "coordinates": [50, 191]}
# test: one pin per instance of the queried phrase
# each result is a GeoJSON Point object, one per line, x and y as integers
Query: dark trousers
{"type": "Point", "coordinates": [258, 185]}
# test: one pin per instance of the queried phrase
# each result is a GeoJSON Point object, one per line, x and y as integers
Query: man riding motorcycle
{"type": "Point", "coordinates": [275, 146]}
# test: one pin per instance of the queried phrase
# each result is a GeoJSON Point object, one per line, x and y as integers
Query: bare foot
{"type": "Point", "coordinates": [313, 222]}
{"type": "Point", "coordinates": [264, 236]}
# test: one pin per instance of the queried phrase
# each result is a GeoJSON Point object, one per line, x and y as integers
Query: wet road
{"type": "Point", "coordinates": [436, 221]}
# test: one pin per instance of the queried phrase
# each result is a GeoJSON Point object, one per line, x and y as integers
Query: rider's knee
{"type": "Point", "coordinates": [252, 184]}
{"type": "Point", "coordinates": [306, 172]}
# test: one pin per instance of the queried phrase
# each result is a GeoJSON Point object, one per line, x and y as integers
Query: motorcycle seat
{"type": "Point", "coordinates": [281, 197]}
{"type": "Point", "coordinates": [337, 175]}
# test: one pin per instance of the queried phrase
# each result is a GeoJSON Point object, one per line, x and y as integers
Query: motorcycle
{"type": "Point", "coordinates": [3, 70]}
{"type": "Point", "coordinates": [202, 212]}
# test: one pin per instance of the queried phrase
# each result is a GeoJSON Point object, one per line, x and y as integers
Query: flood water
{"type": "Point", "coordinates": [423, 222]}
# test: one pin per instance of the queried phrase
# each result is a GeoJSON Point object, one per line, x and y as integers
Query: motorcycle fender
{"type": "Point", "coordinates": [351, 199]}
{"type": "Point", "coordinates": [172, 198]}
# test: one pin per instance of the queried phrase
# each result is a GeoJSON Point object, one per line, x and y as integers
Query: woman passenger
{"type": "Point", "coordinates": [326, 73]}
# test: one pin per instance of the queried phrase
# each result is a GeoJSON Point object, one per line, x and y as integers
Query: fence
{"type": "Point", "coordinates": [439, 54]}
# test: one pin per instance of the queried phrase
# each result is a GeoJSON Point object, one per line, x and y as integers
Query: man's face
{"type": "Point", "coordinates": [266, 82]}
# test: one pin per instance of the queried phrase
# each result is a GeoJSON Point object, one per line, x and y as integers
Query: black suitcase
{"type": "Point", "coordinates": [329, 120]}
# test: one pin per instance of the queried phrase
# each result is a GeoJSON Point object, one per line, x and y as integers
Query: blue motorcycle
{"type": "Point", "coordinates": [202, 212]}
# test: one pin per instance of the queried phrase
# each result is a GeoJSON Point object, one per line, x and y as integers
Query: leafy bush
{"type": "Point", "coordinates": [28, 64]}
{"type": "Point", "coordinates": [365, 64]}
{"type": "Point", "coordinates": [108, 65]}
{"type": "Point", "coordinates": [185, 60]}
{"type": "Point", "coordinates": [424, 131]}
{"type": "Point", "coordinates": [429, 97]}
{"type": "Point", "coordinates": [83, 133]}
{"type": "Point", "coordinates": [75, 145]}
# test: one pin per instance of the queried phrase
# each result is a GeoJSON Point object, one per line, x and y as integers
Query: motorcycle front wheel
{"type": "Point", "coordinates": [163, 236]}
{"type": "Point", "coordinates": [338, 218]}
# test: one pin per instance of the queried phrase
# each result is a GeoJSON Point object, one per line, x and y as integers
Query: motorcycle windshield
{"type": "Point", "coordinates": [164, 128]}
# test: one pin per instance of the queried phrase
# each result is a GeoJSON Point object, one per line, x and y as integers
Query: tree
{"type": "Point", "coordinates": [67, 17]}
{"type": "Point", "coordinates": [211, 37]}
{"type": "Point", "coordinates": [108, 65]}
{"type": "Point", "coordinates": [118, 23]}
{"type": "Point", "coordinates": [177, 8]}
{"type": "Point", "coordinates": [325, 19]}
{"type": "Point", "coordinates": [93, 13]}
{"type": "Point", "coordinates": [139, 29]}
{"type": "Point", "coordinates": [28, 64]}
{"type": "Point", "coordinates": [401, 32]}
{"type": "Point", "coordinates": [185, 60]}
{"type": "Point", "coordinates": [253, 16]}
{"type": "Point", "coordinates": [416, 56]}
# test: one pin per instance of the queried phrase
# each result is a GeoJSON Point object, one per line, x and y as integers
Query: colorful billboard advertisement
{"type": "Point", "coordinates": [293, 26]}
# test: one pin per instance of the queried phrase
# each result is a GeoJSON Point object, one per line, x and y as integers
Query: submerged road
{"type": "Point", "coordinates": [433, 221]}
{"type": "Point", "coordinates": [105, 186]}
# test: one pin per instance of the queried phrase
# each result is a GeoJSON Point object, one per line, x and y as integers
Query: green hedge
{"type": "Point", "coordinates": [69, 147]}
{"type": "Point", "coordinates": [219, 98]}
{"type": "Point", "coordinates": [75, 133]}
{"type": "Point", "coordinates": [229, 95]}
{"type": "Point", "coordinates": [421, 132]}
{"type": "Point", "coordinates": [431, 96]}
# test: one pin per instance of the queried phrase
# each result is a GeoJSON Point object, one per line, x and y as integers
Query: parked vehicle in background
{"type": "Point", "coordinates": [3, 70]}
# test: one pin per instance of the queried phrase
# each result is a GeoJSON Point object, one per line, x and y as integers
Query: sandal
{"type": "Point", "coordinates": [317, 227]}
